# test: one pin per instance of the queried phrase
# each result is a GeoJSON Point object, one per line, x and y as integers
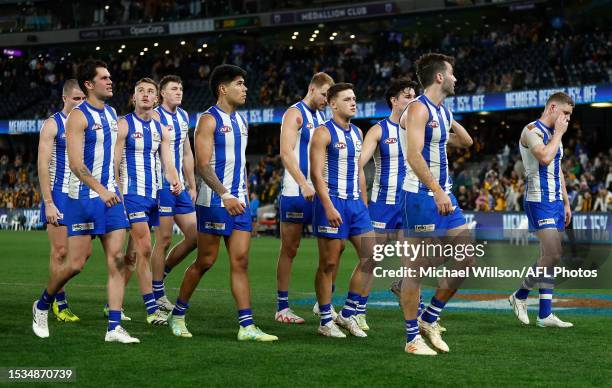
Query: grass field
{"type": "Point", "coordinates": [487, 348]}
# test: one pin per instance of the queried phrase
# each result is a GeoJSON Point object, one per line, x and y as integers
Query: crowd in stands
{"type": "Point", "coordinates": [18, 183]}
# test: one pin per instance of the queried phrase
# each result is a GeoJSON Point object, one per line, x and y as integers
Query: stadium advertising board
{"type": "Point", "coordinates": [132, 31]}
{"type": "Point", "coordinates": [324, 14]}
{"type": "Point", "coordinates": [525, 99]}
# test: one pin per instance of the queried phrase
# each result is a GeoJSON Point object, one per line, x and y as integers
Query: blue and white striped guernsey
{"type": "Point", "coordinates": [228, 157]}
{"type": "Point", "coordinates": [437, 131]}
{"type": "Point", "coordinates": [59, 170]}
{"type": "Point", "coordinates": [98, 150]}
{"type": "Point", "coordinates": [543, 182]}
{"type": "Point", "coordinates": [311, 119]}
{"type": "Point", "coordinates": [390, 164]}
{"type": "Point", "coordinates": [140, 159]}
{"type": "Point", "coordinates": [341, 171]}
{"type": "Point", "coordinates": [179, 128]}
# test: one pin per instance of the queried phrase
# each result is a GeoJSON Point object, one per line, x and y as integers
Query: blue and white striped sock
{"type": "Point", "coordinates": [326, 314]}
{"type": "Point", "coordinates": [361, 306]}
{"type": "Point", "coordinates": [412, 329]}
{"type": "Point", "coordinates": [245, 317]}
{"type": "Point", "coordinates": [45, 300]}
{"type": "Point", "coordinates": [282, 300]}
{"type": "Point", "coordinates": [158, 289]}
{"type": "Point", "coordinates": [149, 301]}
{"type": "Point", "coordinates": [114, 319]}
{"type": "Point", "coordinates": [62, 303]}
{"type": "Point", "coordinates": [432, 312]}
{"type": "Point", "coordinates": [350, 305]}
{"type": "Point", "coordinates": [179, 308]}
{"type": "Point", "coordinates": [546, 296]}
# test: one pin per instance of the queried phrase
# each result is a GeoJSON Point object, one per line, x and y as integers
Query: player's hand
{"type": "Point", "coordinates": [175, 185]}
{"type": "Point", "coordinates": [193, 194]}
{"type": "Point", "coordinates": [52, 213]}
{"type": "Point", "coordinates": [567, 210]}
{"type": "Point", "coordinates": [443, 202]}
{"type": "Point", "coordinates": [232, 204]}
{"type": "Point", "coordinates": [307, 192]}
{"type": "Point", "coordinates": [561, 124]}
{"type": "Point", "coordinates": [109, 198]}
{"type": "Point", "coordinates": [333, 217]}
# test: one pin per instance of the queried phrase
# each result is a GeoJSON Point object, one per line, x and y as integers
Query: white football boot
{"type": "Point", "coordinates": [40, 319]}
{"type": "Point", "coordinates": [418, 347]}
{"type": "Point", "coordinates": [519, 307]}
{"type": "Point", "coordinates": [119, 334]}
{"type": "Point", "coordinates": [552, 321]}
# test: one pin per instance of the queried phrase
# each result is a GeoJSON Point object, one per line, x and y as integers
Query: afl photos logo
{"type": "Point", "coordinates": [340, 145]}
{"type": "Point", "coordinates": [225, 129]}
{"type": "Point", "coordinates": [433, 124]}
{"type": "Point", "coordinates": [391, 140]}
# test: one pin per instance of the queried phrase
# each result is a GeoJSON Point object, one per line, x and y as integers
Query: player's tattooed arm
{"type": "Point", "coordinates": [414, 120]}
{"type": "Point", "coordinates": [460, 137]}
{"type": "Point", "coordinates": [290, 126]}
{"type": "Point", "coordinates": [119, 151]}
{"type": "Point", "coordinates": [370, 143]}
{"type": "Point", "coordinates": [75, 135]}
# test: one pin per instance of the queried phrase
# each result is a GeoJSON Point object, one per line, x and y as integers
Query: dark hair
{"type": "Point", "coordinates": [224, 74]}
{"type": "Point", "coordinates": [560, 97]}
{"type": "Point", "coordinates": [397, 87]}
{"type": "Point", "coordinates": [87, 71]}
{"type": "Point", "coordinates": [430, 64]}
{"type": "Point", "coordinates": [333, 90]}
{"type": "Point", "coordinates": [165, 81]}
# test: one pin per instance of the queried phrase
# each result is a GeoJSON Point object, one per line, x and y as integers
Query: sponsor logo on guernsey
{"type": "Point", "coordinates": [136, 215]}
{"type": "Point", "coordinates": [137, 135]}
{"type": "Point", "coordinates": [165, 209]}
{"type": "Point", "coordinates": [214, 225]}
{"type": "Point", "coordinates": [84, 226]}
{"type": "Point", "coordinates": [391, 140]}
{"type": "Point", "coordinates": [225, 129]}
{"type": "Point", "coordinates": [425, 228]}
{"type": "Point", "coordinates": [340, 145]}
{"type": "Point", "coordinates": [433, 124]}
{"type": "Point", "coordinates": [113, 126]}
{"type": "Point", "coordinates": [379, 225]}
{"type": "Point", "coordinates": [327, 229]}
{"type": "Point", "coordinates": [294, 215]}
{"type": "Point", "coordinates": [546, 221]}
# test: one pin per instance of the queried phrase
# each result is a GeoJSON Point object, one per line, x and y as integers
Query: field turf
{"type": "Point", "coordinates": [487, 348]}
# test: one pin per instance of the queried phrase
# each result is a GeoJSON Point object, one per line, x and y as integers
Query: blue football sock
{"type": "Point", "coordinates": [432, 312]}
{"type": "Point", "coordinates": [361, 307]}
{"type": "Point", "coordinates": [179, 308]}
{"type": "Point", "coordinates": [522, 293]}
{"type": "Point", "coordinates": [326, 314]}
{"type": "Point", "coordinates": [421, 306]}
{"type": "Point", "coordinates": [45, 300]}
{"type": "Point", "coordinates": [114, 319]}
{"type": "Point", "coordinates": [412, 329]}
{"type": "Point", "coordinates": [62, 303]}
{"type": "Point", "coordinates": [350, 305]}
{"type": "Point", "coordinates": [282, 300]}
{"type": "Point", "coordinates": [245, 317]}
{"type": "Point", "coordinates": [158, 289]}
{"type": "Point", "coordinates": [166, 272]}
{"type": "Point", "coordinates": [149, 301]}
{"type": "Point", "coordinates": [546, 295]}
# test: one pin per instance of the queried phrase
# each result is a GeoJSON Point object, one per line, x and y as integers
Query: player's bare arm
{"type": "Point", "coordinates": [567, 210]}
{"type": "Point", "coordinates": [362, 181]}
{"type": "Point", "coordinates": [544, 153]}
{"type": "Point", "coordinates": [75, 135]}
{"type": "Point", "coordinates": [459, 138]}
{"type": "Point", "coordinates": [369, 144]}
{"type": "Point", "coordinates": [45, 149]}
{"type": "Point", "coordinates": [204, 139]}
{"type": "Point", "coordinates": [292, 121]}
{"type": "Point", "coordinates": [189, 168]}
{"type": "Point", "coordinates": [122, 127]}
{"type": "Point", "coordinates": [318, 149]}
{"type": "Point", "coordinates": [415, 120]}
{"type": "Point", "coordinates": [170, 172]}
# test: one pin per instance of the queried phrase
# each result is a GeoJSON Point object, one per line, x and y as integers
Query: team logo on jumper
{"type": "Point", "coordinates": [244, 131]}
{"type": "Point", "coordinates": [156, 137]}
{"type": "Point", "coordinates": [340, 145]}
{"type": "Point", "coordinates": [425, 228]}
{"type": "Point", "coordinates": [327, 229]}
{"type": "Point", "coordinates": [294, 215]}
{"type": "Point", "coordinates": [433, 124]}
{"type": "Point", "coordinates": [136, 215]}
{"type": "Point", "coordinates": [96, 127]}
{"type": "Point", "coordinates": [358, 146]}
{"type": "Point", "coordinates": [113, 126]}
{"type": "Point", "coordinates": [214, 225]}
{"type": "Point", "coordinates": [391, 140]}
{"type": "Point", "coordinates": [225, 129]}
{"type": "Point", "coordinates": [379, 225]}
{"type": "Point", "coordinates": [63, 135]}
{"type": "Point", "coordinates": [184, 127]}
{"type": "Point", "coordinates": [80, 227]}
{"type": "Point", "coordinates": [137, 135]}
{"type": "Point", "coordinates": [309, 126]}
{"type": "Point", "coordinates": [546, 221]}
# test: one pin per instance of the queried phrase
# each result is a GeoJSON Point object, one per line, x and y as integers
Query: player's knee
{"type": "Point", "coordinates": [328, 267]}
{"type": "Point", "coordinates": [290, 250]}
{"type": "Point", "coordinates": [59, 253]}
{"type": "Point", "coordinates": [118, 261]}
{"type": "Point", "coordinates": [203, 263]}
{"type": "Point", "coordinates": [240, 263]}
{"type": "Point", "coordinates": [145, 250]}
